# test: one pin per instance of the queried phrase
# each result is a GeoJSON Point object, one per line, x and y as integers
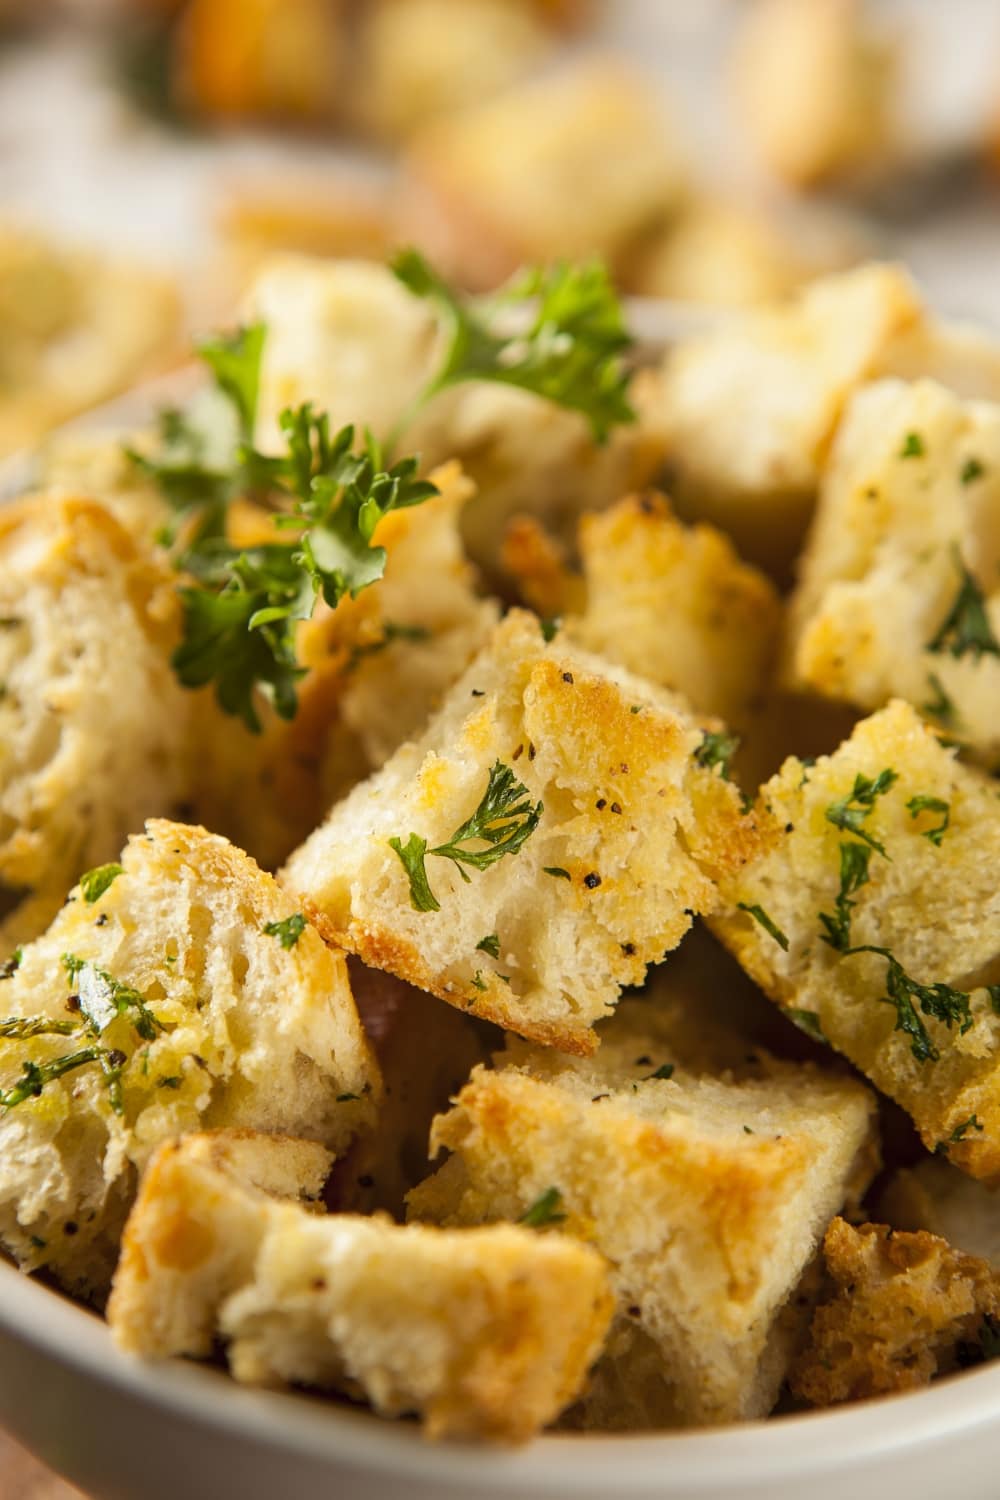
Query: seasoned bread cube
{"type": "Point", "coordinates": [906, 1307]}
{"type": "Point", "coordinates": [566, 166]}
{"type": "Point", "coordinates": [707, 1185]}
{"type": "Point", "coordinates": [675, 604]}
{"type": "Point", "coordinates": [750, 409]}
{"type": "Point", "coordinates": [93, 724]}
{"type": "Point", "coordinates": [423, 59]}
{"type": "Point", "coordinates": [814, 80]}
{"type": "Point", "coordinates": [906, 533]}
{"type": "Point", "coordinates": [483, 1333]}
{"type": "Point", "coordinates": [934, 1196]}
{"type": "Point", "coordinates": [875, 919]}
{"type": "Point", "coordinates": [177, 989]}
{"type": "Point", "coordinates": [550, 835]}
{"type": "Point", "coordinates": [80, 461]}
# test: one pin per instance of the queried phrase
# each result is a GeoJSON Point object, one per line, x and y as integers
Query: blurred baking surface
{"type": "Point", "coordinates": [75, 158]}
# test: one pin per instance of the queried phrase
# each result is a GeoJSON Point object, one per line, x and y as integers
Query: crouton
{"type": "Point", "coordinates": [179, 988]}
{"type": "Point", "coordinates": [875, 917]}
{"type": "Point", "coordinates": [750, 409]}
{"type": "Point", "coordinates": [80, 461]}
{"type": "Point", "coordinates": [500, 183]}
{"type": "Point", "coordinates": [708, 1189]}
{"type": "Point", "coordinates": [75, 329]}
{"type": "Point", "coordinates": [814, 84]}
{"type": "Point", "coordinates": [906, 1308]}
{"type": "Point", "coordinates": [934, 1196]}
{"type": "Point", "coordinates": [589, 781]}
{"type": "Point", "coordinates": [92, 722]}
{"type": "Point", "coordinates": [483, 1333]}
{"type": "Point", "coordinates": [423, 59]}
{"type": "Point", "coordinates": [905, 535]}
{"type": "Point", "coordinates": [722, 253]}
{"type": "Point", "coordinates": [675, 604]}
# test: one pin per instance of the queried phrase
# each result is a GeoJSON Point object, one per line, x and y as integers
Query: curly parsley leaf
{"type": "Point", "coordinates": [966, 629]}
{"type": "Point", "coordinates": [849, 812]}
{"type": "Point", "coordinates": [503, 821]}
{"type": "Point", "coordinates": [234, 359]}
{"type": "Point", "coordinates": [570, 353]}
{"type": "Point", "coordinates": [771, 927]}
{"type": "Point", "coordinates": [940, 706]}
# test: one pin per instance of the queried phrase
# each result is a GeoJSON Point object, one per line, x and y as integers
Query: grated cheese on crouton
{"type": "Point", "coordinates": [483, 1333]}
{"type": "Point", "coordinates": [187, 989]}
{"type": "Point", "coordinates": [618, 837]}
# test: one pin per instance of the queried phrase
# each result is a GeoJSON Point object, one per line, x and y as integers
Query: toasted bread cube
{"type": "Point", "coordinates": [708, 1189]}
{"type": "Point", "coordinates": [617, 837]}
{"type": "Point", "coordinates": [936, 1197]}
{"type": "Point", "coordinates": [750, 409]}
{"type": "Point", "coordinates": [907, 1307]}
{"type": "Point", "coordinates": [814, 82]}
{"type": "Point", "coordinates": [93, 724]}
{"type": "Point", "coordinates": [424, 59]}
{"type": "Point", "coordinates": [675, 604]}
{"type": "Point", "coordinates": [929, 909]}
{"type": "Point", "coordinates": [185, 988]}
{"type": "Point", "coordinates": [566, 166]}
{"type": "Point", "coordinates": [908, 515]}
{"type": "Point", "coordinates": [483, 1333]}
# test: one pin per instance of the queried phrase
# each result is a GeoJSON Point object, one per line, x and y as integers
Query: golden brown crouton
{"type": "Point", "coordinates": [904, 546]}
{"type": "Point", "coordinates": [675, 604]}
{"type": "Point", "coordinates": [906, 1308]}
{"type": "Point", "coordinates": [875, 918]}
{"type": "Point", "coordinates": [483, 1333]}
{"type": "Point", "coordinates": [179, 988]}
{"type": "Point", "coordinates": [93, 725]}
{"type": "Point", "coordinates": [706, 1185]}
{"type": "Point", "coordinates": [500, 184]}
{"type": "Point", "coordinates": [595, 835]}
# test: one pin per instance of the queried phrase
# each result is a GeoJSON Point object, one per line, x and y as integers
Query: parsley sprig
{"type": "Point", "coordinates": [569, 354]}
{"type": "Point", "coordinates": [939, 1002]}
{"type": "Point", "coordinates": [850, 812]}
{"type": "Point", "coordinates": [500, 825]}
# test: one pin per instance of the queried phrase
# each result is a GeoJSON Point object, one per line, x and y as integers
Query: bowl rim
{"type": "Point", "coordinates": [839, 1441]}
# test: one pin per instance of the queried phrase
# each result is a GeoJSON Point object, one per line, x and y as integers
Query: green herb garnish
{"type": "Point", "coordinates": [849, 813]}
{"type": "Point", "coordinates": [760, 915]}
{"type": "Point", "coordinates": [958, 1135]}
{"type": "Point", "coordinates": [966, 629]}
{"type": "Point", "coordinates": [854, 861]}
{"type": "Point", "coordinates": [503, 821]}
{"type": "Point", "coordinates": [489, 944]}
{"type": "Point", "coordinates": [972, 470]}
{"type": "Point", "coordinates": [545, 1210]}
{"type": "Point", "coordinates": [557, 871]}
{"type": "Point", "coordinates": [95, 882]}
{"type": "Point", "coordinates": [717, 749]}
{"type": "Point", "coordinates": [807, 1021]}
{"type": "Point", "coordinates": [913, 446]}
{"type": "Point", "coordinates": [288, 930]}
{"type": "Point", "coordinates": [940, 1002]}
{"type": "Point", "coordinates": [941, 706]}
{"type": "Point", "coordinates": [665, 1071]}
{"type": "Point", "coordinates": [569, 354]}
{"type": "Point", "coordinates": [921, 804]}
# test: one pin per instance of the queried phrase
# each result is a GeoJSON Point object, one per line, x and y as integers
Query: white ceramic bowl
{"type": "Point", "coordinates": [129, 1431]}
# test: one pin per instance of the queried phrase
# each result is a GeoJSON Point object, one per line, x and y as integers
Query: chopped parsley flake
{"type": "Point", "coordinates": [717, 749]}
{"type": "Point", "coordinates": [288, 930]}
{"type": "Point", "coordinates": [972, 470]}
{"type": "Point", "coordinates": [545, 1210]}
{"type": "Point", "coordinates": [966, 629]}
{"type": "Point", "coordinates": [557, 871]}
{"type": "Point", "coordinates": [849, 813]}
{"type": "Point", "coordinates": [913, 446]}
{"type": "Point", "coordinates": [854, 862]}
{"type": "Point", "coordinates": [922, 804]}
{"type": "Point", "coordinates": [807, 1021]}
{"type": "Point", "coordinates": [940, 1002]}
{"type": "Point", "coordinates": [489, 944]}
{"type": "Point", "coordinates": [760, 915]}
{"type": "Point", "coordinates": [958, 1135]}
{"type": "Point", "coordinates": [940, 707]}
{"type": "Point", "coordinates": [95, 882]}
{"type": "Point", "coordinates": [504, 820]}
{"type": "Point", "coordinates": [665, 1071]}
